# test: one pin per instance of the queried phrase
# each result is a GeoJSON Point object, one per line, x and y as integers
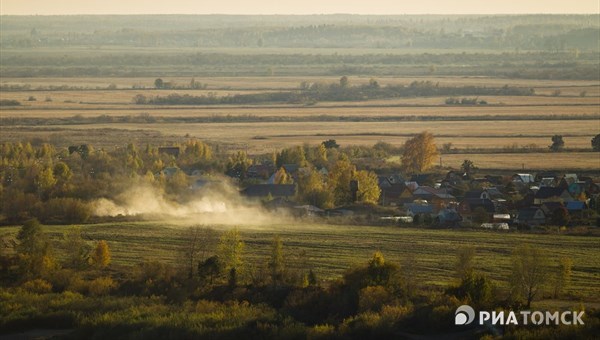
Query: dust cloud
{"type": "Point", "coordinates": [219, 204]}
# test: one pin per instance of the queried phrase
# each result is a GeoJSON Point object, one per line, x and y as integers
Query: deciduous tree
{"type": "Point", "coordinates": [199, 242]}
{"type": "Point", "coordinates": [368, 186]}
{"type": "Point", "coordinates": [276, 262]}
{"type": "Point", "coordinates": [230, 251]}
{"type": "Point", "coordinates": [557, 143]}
{"type": "Point", "coordinates": [339, 180]}
{"type": "Point", "coordinates": [596, 143]}
{"type": "Point", "coordinates": [529, 273]}
{"type": "Point", "coordinates": [419, 153]}
{"type": "Point", "coordinates": [34, 250]}
{"type": "Point", "coordinates": [101, 255]}
{"type": "Point", "coordinates": [77, 250]}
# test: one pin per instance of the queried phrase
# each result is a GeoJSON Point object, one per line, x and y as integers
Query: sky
{"type": "Point", "coordinates": [69, 7]}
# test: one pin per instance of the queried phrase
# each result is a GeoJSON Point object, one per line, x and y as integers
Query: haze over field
{"type": "Point", "coordinates": [221, 204]}
{"type": "Point", "coordinates": [42, 7]}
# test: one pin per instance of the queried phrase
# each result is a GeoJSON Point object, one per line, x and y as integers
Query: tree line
{"type": "Point", "coordinates": [342, 91]}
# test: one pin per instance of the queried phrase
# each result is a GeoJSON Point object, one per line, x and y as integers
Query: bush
{"type": "Point", "coordinates": [321, 332]}
{"type": "Point", "coordinates": [37, 286]}
{"type": "Point", "coordinates": [372, 298]}
{"type": "Point", "coordinates": [101, 286]}
{"type": "Point", "coordinates": [9, 102]}
{"type": "Point", "coordinates": [65, 210]}
{"type": "Point", "coordinates": [63, 279]}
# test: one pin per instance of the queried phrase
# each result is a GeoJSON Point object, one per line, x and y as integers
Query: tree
{"type": "Point", "coordinates": [45, 180]}
{"type": "Point", "coordinates": [330, 144]}
{"type": "Point", "coordinates": [210, 268]}
{"type": "Point", "coordinates": [562, 275]}
{"type": "Point", "coordinates": [419, 153]}
{"type": "Point", "coordinates": [199, 241]}
{"type": "Point", "coordinates": [560, 216]}
{"type": "Point", "coordinates": [557, 143]}
{"type": "Point", "coordinates": [237, 165]}
{"type": "Point", "coordinates": [529, 273]}
{"type": "Point", "coordinates": [480, 215]}
{"type": "Point", "coordinates": [312, 189]}
{"type": "Point", "coordinates": [373, 84]}
{"type": "Point", "coordinates": [476, 288]}
{"type": "Point", "coordinates": [34, 250]}
{"type": "Point", "coordinates": [158, 83]}
{"type": "Point", "coordinates": [77, 250]}
{"type": "Point", "coordinates": [344, 82]}
{"type": "Point", "coordinates": [230, 251]}
{"type": "Point", "coordinates": [283, 177]}
{"type": "Point", "coordinates": [62, 172]}
{"type": "Point", "coordinates": [101, 255]}
{"type": "Point", "coordinates": [596, 143]}
{"type": "Point", "coordinates": [368, 187]}
{"type": "Point", "coordinates": [468, 167]}
{"type": "Point", "coordinates": [276, 262]}
{"type": "Point", "coordinates": [339, 180]}
{"type": "Point", "coordinates": [464, 261]}
{"type": "Point", "coordinates": [293, 155]}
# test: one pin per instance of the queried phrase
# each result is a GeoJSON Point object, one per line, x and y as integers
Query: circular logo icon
{"type": "Point", "coordinates": [464, 315]}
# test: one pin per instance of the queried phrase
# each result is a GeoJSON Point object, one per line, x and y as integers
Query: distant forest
{"type": "Point", "coordinates": [528, 32]}
{"type": "Point", "coordinates": [510, 46]}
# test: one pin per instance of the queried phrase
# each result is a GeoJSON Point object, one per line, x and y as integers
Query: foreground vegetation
{"type": "Point", "coordinates": [291, 285]}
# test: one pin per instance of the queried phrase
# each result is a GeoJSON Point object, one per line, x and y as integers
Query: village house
{"type": "Point", "coordinates": [576, 208]}
{"type": "Point", "coordinates": [550, 194]}
{"type": "Point", "coordinates": [418, 209]}
{"type": "Point", "coordinates": [550, 207]}
{"type": "Point", "coordinates": [523, 178]}
{"type": "Point", "coordinates": [467, 208]}
{"type": "Point", "coordinates": [448, 217]}
{"type": "Point", "coordinates": [260, 171]}
{"type": "Point", "coordinates": [169, 150]}
{"type": "Point", "coordinates": [439, 198]}
{"type": "Point", "coordinates": [547, 182]}
{"type": "Point", "coordinates": [393, 194]}
{"type": "Point", "coordinates": [287, 191]}
{"type": "Point", "coordinates": [168, 172]}
{"type": "Point", "coordinates": [488, 193]}
{"type": "Point", "coordinates": [532, 216]}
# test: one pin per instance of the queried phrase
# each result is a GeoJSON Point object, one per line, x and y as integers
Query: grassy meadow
{"type": "Point", "coordinates": [331, 249]}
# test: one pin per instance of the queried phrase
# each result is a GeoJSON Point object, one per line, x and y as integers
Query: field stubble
{"type": "Point", "coordinates": [330, 249]}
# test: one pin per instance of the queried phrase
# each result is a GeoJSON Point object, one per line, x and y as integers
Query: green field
{"type": "Point", "coordinates": [331, 249]}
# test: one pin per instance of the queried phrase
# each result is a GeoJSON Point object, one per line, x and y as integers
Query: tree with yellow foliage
{"type": "Point", "coordinates": [34, 251]}
{"type": "Point", "coordinates": [419, 153]}
{"type": "Point", "coordinates": [101, 255]}
{"type": "Point", "coordinates": [339, 180]}
{"type": "Point", "coordinates": [283, 177]}
{"type": "Point", "coordinates": [368, 186]}
{"type": "Point", "coordinates": [312, 189]}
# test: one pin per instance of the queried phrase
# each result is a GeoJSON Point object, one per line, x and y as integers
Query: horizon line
{"type": "Point", "coordinates": [306, 14]}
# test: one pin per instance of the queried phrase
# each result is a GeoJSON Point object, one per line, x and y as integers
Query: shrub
{"type": "Point", "coordinates": [65, 210]}
{"type": "Point", "coordinates": [372, 298]}
{"type": "Point", "coordinates": [78, 285]}
{"type": "Point", "coordinates": [37, 286]}
{"type": "Point", "coordinates": [101, 286]}
{"type": "Point", "coordinates": [321, 332]}
{"type": "Point", "coordinates": [101, 255]}
{"type": "Point", "coordinates": [9, 102]}
{"type": "Point", "coordinates": [63, 279]}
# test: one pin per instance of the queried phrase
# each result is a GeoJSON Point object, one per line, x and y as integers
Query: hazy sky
{"type": "Point", "coordinates": [51, 7]}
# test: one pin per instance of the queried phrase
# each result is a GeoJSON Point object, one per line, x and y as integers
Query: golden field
{"type": "Point", "coordinates": [506, 124]}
